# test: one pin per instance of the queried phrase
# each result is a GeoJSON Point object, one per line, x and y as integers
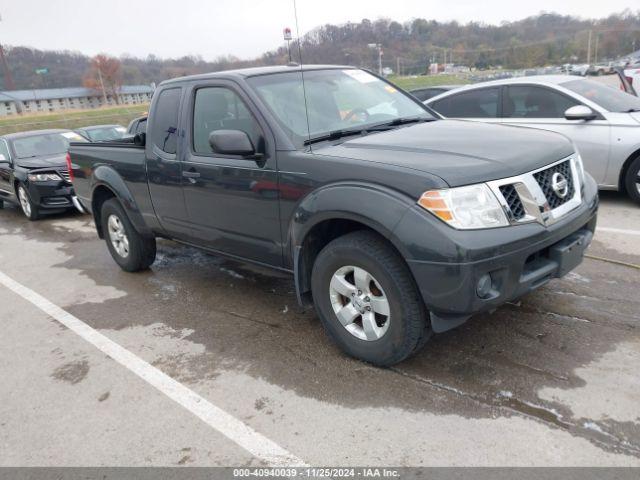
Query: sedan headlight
{"type": "Point", "coordinates": [465, 208]}
{"type": "Point", "coordinates": [44, 177]}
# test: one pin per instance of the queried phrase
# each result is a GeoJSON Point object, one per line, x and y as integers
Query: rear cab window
{"type": "Point", "coordinates": [164, 133]}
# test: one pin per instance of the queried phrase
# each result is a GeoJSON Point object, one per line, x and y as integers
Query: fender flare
{"type": "Point", "coordinates": [379, 208]}
{"type": "Point", "coordinates": [106, 176]}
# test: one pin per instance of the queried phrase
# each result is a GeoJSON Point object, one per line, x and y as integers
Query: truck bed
{"type": "Point", "coordinates": [127, 159]}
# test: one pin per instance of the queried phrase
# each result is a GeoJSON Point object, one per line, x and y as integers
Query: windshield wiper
{"type": "Point", "coordinates": [632, 110]}
{"type": "Point", "coordinates": [335, 135]}
{"type": "Point", "coordinates": [398, 122]}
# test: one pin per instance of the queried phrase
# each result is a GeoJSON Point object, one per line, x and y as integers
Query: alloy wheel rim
{"type": "Point", "coordinates": [360, 304]}
{"type": "Point", "coordinates": [24, 201]}
{"type": "Point", "coordinates": [638, 181]}
{"type": "Point", "coordinates": [118, 236]}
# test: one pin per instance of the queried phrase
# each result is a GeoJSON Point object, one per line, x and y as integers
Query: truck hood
{"type": "Point", "coordinates": [44, 161]}
{"type": "Point", "coordinates": [459, 152]}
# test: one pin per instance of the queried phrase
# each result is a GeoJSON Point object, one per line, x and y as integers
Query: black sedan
{"type": "Point", "coordinates": [34, 172]}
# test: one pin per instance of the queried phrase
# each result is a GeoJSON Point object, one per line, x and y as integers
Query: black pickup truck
{"type": "Point", "coordinates": [393, 222]}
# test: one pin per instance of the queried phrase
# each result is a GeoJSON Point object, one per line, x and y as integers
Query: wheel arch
{"type": "Point", "coordinates": [335, 211]}
{"type": "Point", "coordinates": [625, 168]}
{"type": "Point", "coordinates": [106, 184]}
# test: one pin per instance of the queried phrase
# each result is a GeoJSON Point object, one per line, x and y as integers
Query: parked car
{"type": "Point", "coordinates": [426, 93]}
{"type": "Point", "coordinates": [601, 69]}
{"type": "Point", "coordinates": [34, 173]}
{"type": "Point", "coordinates": [102, 133]}
{"type": "Point", "coordinates": [393, 223]}
{"type": "Point", "coordinates": [603, 122]}
{"type": "Point", "coordinates": [137, 125]}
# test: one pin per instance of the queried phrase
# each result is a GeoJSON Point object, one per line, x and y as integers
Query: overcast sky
{"type": "Point", "coordinates": [244, 28]}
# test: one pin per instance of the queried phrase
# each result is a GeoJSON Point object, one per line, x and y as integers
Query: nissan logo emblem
{"type": "Point", "coordinates": [560, 185]}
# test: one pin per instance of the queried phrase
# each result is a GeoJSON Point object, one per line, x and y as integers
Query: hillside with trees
{"type": "Point", "coordinates": [534, 41]}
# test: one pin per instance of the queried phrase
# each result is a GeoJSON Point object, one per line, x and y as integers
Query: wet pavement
{"type": "Point", "coordinates": [551, 379]}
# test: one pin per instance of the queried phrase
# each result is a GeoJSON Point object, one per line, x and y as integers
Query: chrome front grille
{"type": "Point", "coordinates": [65, 175]}
{"type": "Point", "coordinates": [545, 180]}
{"type": "Point", "coordinates": [512, 198]}
{"type": "Point", "coordinates": [543, 195]}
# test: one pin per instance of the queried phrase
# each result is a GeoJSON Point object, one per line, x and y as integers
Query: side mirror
{"type": "Point", "coordinates": [231, 142]}
{"type": "Point", "coordinates": [579, 112]}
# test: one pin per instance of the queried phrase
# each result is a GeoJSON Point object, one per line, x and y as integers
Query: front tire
{"type": "Point", "coordinates": [129, 249]}
{"type": "Point", "coordinates": [29, 209]}
{"type": "Point", "coordinates": [632, 180]}
{"type": "Point", "coordinates": [367, 299]}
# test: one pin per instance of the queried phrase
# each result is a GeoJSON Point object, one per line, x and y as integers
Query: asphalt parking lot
{"type": "Point", "coordinates": [215, 364]}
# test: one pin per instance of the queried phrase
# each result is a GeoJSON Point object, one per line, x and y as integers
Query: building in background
{"type": "Point", "coordinates": [47, 100]}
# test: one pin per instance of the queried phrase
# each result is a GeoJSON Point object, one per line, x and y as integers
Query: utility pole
{"type": "Point", "coordinates": [8, 79]}
{"type": "Point", "coordinates": [589, 49]}
{"type": "Point", "coordinates": [379, 47]}
{"type": "Point", "coordinates": [104, 92]}
{"type": "Point", "coordinates": [595, 56]}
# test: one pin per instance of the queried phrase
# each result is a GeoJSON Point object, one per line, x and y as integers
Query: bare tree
{"type": "Point", "coordinates": [104, 75]}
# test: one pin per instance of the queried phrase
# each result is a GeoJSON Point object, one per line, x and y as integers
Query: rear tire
{"type": "Point", "coordinates": [27, 206]}
{"type": "Point", "coordinates": [129, 249]}
{"type": "Point", "coordinates": [359, 278]}
{"type": "Point", "coordinates": [632, 180]}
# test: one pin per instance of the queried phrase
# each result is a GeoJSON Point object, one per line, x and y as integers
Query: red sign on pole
{"type": "Point", "coordinates": [287, 34]}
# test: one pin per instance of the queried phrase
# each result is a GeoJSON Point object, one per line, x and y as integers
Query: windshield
{"type": "Point", "coordinates": [335, 100]}
{"type": "Point", "coordinates": [44, 144]}
{"type": "Point", "coordinates": [106, 134]}
{"type": "Point", "coordinates": [607, 97]}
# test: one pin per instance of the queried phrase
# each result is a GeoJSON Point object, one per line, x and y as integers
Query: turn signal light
{"type": "Point", "coordinates": [434, 202]}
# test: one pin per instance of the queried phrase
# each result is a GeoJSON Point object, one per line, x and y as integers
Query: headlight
{"type": "Point", "coordinates": [44, 177]}
{"type": "Point", "coordinates": [470, 207]}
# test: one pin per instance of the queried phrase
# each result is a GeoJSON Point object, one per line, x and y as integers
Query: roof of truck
{"type": "Point", "coordinates": [254, 71]}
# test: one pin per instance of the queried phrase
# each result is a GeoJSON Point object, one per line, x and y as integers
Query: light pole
{"type": "Point", "coordinates": [379, 47]}
{"type": "Point", "coordinates": [287, 36]}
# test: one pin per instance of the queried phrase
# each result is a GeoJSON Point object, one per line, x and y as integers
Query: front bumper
{"type": "Point", "coordinates": [518, 259]}
{"type": "Point", "coordinates": [55, 195]}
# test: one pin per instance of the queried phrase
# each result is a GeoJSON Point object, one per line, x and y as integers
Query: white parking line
{"type": "Point", "coordinates": [617, 230]}
{"type": "Point", "coordinates": [225, 423]}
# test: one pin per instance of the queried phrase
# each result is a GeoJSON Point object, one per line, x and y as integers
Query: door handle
{"type": "Point", "coordinates": [191, 176]}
